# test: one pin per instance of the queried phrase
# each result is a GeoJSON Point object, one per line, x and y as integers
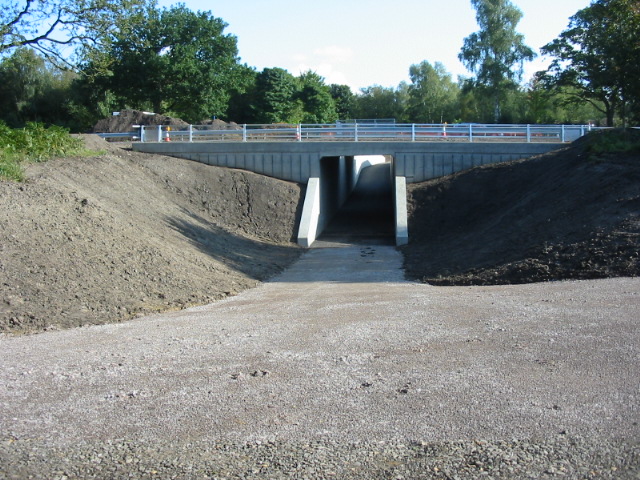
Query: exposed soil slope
{"type": "Point", "coordinates": [568, 214]}
{"type": "Point", "coordinates": [102, 239]}
{"type": "Point", "coordinates": [108, 238]}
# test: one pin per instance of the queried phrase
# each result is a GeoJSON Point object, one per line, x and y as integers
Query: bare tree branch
{"type": "Point", "coordinates": [50, 25]}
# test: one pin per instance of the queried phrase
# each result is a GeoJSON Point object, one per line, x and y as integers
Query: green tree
{"type": "Point", "coordinates": [377, 102]}
{"type": "Point", "coordinates": [243, 93]}
{"type": "Point", "coordinates": [496, 53]}
{"type": "Point", "coordinates": [318, 104]}
{"type": "Point", "coordinates": [33, 90]}
{"type": "Point", "coordinates": [276, 97]}
{"type": "Point", "coordinates": [597, 57]}
{"type": "Point", "coordinates": [172, 60]}
{"type": "Point", "coordinates": [344, 100]}
{"type": "Point", "coordinates": [53, 26]}
{"type": "Point", "coordinates": [546, 105]}
{"type": "Point", "coordinates": [433, 95]}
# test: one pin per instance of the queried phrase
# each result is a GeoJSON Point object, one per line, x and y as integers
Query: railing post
{"type": "Point", "coordinates": [582, 130]}
{"type": "Point", "coordinates": [413, 132]}
{"type": "Point", "coordinates": [190, 133]}
{"type": "Point", "coordinates": [141, 133]}
{"type": "Point", "coordinates": [355, 132]}
{"type": "Point", "coordinates": [528, 133]}
{"type": "Point", "coordinates": [244, 132]}
{"type": "Point", "coordinates": [299, 132]}
{"type": "Point", "coordinates": [562, 133]}
{"type": "Point", "coordinates": [470, 133]}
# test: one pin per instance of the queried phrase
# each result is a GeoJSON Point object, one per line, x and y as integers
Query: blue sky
{"type": "Point", "coordinates": [365, 42]}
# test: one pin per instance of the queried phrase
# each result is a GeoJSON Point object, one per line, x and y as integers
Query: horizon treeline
{"type": "Point", "coordinates": [181, 63]}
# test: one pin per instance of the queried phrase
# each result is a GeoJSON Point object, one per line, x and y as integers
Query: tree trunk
{"type": "Point", "coordinates": [496, 110]}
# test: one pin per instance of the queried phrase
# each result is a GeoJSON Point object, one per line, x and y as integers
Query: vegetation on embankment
{"type": "Point", "coordinates": [33, 143]}
{"type": "Point", "coordinates": [618, 141]}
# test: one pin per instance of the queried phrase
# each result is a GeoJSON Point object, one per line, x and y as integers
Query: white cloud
{"type": "Point", "coordinates": [325, 70]}
{"type": "Point", "coordinates": [324, 61]}
{"type": "Point", "coordinates": [334, 53]}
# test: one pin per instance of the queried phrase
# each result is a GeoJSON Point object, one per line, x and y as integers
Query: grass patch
{"type": "Point", "coordinates": [33, 143]}
{"type": "Point", "coordinates": [615, 141]}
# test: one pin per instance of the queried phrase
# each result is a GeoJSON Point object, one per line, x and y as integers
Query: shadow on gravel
{"type": "Point", "coordinates": [254, 258]}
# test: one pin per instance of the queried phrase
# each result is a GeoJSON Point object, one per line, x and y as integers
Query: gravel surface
{"type": "Point", "coordinates": [338, 368]}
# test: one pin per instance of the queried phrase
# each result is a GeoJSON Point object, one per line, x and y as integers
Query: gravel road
{"type": "Point", "coordinates": [338, 368]}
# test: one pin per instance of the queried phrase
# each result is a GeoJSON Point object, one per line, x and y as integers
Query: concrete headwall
{"type": "Point", "coordinates": [299, 161]}
{"type": "Point", "coordinates": [330, 170]}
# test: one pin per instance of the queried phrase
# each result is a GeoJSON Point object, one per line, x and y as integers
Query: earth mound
{"type": "Point", "coordinates": [124, 121]}
{"type": "Point", "coordinates": [569, 214]}
{"type": "Point", "coordinates": [104, 239]}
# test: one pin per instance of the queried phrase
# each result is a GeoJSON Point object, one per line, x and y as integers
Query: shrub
{"type": "Point", "coordinates": [33, 143]}
{"type": "Point", "coordinates": [616, 141]}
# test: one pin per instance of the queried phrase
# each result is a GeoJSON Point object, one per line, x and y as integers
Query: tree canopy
{"type": "Point", "coordinates": [55, 28]}
{"type": "Point", "coordinates": [173, 60]}
{"type": "Point", "coordinates": [495, 54]}
{"type": "Point", "coordinates": [318, 104]}
{"type": "Point", "coordinates": [132, 54]}
{"type": "Point", "coordinates": [275, 97]}
{"type": "Point", "coordinates": [597, 58]}
{"type": "Point", "coordinates": [432, 94]}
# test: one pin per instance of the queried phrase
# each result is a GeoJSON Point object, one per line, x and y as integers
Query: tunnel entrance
{"type": "Point", "coordinates": [365, 210]}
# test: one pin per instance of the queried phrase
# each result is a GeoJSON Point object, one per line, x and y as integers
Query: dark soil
{"type": "Point", "coordinates": [569, 214]}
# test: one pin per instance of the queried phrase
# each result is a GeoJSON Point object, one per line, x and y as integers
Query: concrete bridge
{"type": "Point", "coordinates": [332, 169]}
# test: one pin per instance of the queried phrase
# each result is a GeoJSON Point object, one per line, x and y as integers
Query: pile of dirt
{"type": "Point", "coordinates": [103, 239]}
{"type": "Point", "coordinates": [217, 124]}
{"type": "Point", "coordinates": [569, 214]}
{"type": "Point", "coordinates": [124, 121]}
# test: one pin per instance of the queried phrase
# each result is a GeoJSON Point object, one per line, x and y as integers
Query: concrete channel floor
{"type": "Point", "coordinates": [341, 347]}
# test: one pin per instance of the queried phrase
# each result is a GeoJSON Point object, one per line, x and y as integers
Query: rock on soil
{"type": "Point", "coordinates": [563, 215]}
{"type": "Point", "coordinates": [107, 238]}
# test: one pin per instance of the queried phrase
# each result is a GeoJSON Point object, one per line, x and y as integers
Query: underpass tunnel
{"type": "Point", "coordinates": [358, 199]}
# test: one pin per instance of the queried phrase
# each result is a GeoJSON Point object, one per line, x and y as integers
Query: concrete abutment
{"type": "Point", "coordinates": [330, 169]}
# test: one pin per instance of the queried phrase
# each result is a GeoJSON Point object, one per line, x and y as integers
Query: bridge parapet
{"type": "Point", "coordinates": [355, 132]}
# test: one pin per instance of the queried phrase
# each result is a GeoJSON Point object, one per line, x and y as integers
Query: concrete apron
{"type": "Point", "coordinates": [341, 347]}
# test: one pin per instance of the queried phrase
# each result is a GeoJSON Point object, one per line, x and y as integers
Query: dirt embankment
{"type": "Point", "coordinates": [568, 214]}
{"type": "Point", "coordinates": [95, 240]}
{"type": "Point", "coordinates": [107, 238]}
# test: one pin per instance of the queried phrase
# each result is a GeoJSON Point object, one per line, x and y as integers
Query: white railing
{"type": "Point", "coordinates": [357, 132]}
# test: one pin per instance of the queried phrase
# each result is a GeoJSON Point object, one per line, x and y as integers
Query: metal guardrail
{"type": "Point", "coordinates": [360, 132]}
